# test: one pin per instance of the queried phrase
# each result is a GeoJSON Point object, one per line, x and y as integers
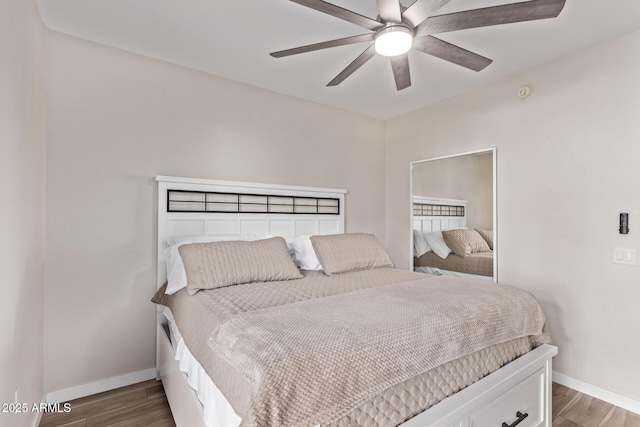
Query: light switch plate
{"type": "Point", "coordinates": [625, 256]}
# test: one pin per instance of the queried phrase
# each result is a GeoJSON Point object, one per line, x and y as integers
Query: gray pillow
{"type": "Point", "coordinates": [487, 235]}
{"type": "Point", "coordinates": [463, 242]}
{"type": "Point", "coordinates": [340, 253]}
{"type": "Point", "coordinates": [217, 264]}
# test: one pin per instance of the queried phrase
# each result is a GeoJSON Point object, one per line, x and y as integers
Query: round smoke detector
{"type": "Point", "coordinates": [525, 92]}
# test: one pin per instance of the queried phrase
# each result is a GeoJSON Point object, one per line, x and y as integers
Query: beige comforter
{"type": "Point", "coordinates": [352, 336]}
{"type": "Point", "coordinates": [311, 362]}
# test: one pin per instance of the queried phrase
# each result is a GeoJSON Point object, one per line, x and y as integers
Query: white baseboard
{"type": "Point", "coordinates": [100, 386]}
{"type": "Point", "coordinates": [597, 392]}
{"type": "Point", "coordinates": [39, 414]}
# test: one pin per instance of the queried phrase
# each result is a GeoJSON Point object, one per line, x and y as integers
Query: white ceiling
{"type": "Point", "coordinates": [233, 39]}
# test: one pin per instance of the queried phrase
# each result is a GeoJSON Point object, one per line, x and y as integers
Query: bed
{"type": "Point", "coordinates": [476, 389]}
{"type": "Point", "coordinates": [431, 214]}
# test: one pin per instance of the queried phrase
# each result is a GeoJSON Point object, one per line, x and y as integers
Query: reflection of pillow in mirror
{"type": "Point", "coordinates": [437, 244]}
{"type": "Point", "coordinates": [420, 245]}
{"type": "Point", "coordinates": [487, 235]}
{"type": "Point", "coordinates": [464, 242]}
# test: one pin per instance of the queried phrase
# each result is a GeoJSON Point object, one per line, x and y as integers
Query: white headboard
{"type": "Point", "coordinates": [435, 214]}
{"type": "Point", "coordinates": [208, 207]}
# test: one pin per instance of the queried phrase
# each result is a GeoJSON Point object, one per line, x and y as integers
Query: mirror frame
{"type": "Point", "coordinates": [493, 150]}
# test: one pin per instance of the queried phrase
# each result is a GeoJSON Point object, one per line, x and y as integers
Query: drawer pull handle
{"type": "Point", "coordinates": [520, 416]}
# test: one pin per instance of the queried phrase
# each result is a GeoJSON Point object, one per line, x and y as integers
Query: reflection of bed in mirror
{"type": "Point", "coordinates": [432, 215]}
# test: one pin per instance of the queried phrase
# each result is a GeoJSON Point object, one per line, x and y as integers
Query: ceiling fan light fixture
{"type": "Point", "coordinates": [394, 40]}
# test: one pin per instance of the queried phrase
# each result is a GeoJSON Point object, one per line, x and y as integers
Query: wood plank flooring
{"type": "Point", "coordinates": [574, 409]}
{"type": "Point", "coordinates": [145, 404]}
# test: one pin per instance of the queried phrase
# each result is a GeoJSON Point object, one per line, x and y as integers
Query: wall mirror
{"type": "Point", "coordinates": [453, 215]}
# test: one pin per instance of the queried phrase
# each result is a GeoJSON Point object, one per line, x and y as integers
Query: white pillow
{"type": "Point", "coordinates": [303, 254]}
{"type": "Point", "coordinates": [176, 274]}
{"type": "Point", "coordinates": [420, 245]}
{"type": "Point", "coordinates": [437, 244]}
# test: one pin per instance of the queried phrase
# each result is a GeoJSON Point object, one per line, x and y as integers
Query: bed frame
{"type": "Point", "coordinates": [522, 386]}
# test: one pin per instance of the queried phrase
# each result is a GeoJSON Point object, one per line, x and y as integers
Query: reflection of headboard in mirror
{"type": "Point", "coordinates": [435, 214]}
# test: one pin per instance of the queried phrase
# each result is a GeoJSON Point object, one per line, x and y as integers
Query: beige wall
{"type": "Point", "coordinates": [567, 166]}
{"type": "Point", "coordinates": [115, 120]}
{"type": "Point", "coordinates": [22, 123]}
{"type": "Point", "coordinates": [468, 177]}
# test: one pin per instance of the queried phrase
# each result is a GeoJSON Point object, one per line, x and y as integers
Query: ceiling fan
{"type": "Point", "coordinates": [398, 29]}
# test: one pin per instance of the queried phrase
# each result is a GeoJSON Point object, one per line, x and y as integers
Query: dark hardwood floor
{"type": "Point", "coordinates": [145, 404]}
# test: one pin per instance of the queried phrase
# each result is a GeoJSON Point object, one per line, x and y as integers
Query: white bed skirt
{"type": "Point", "coordinates": [217, 410]}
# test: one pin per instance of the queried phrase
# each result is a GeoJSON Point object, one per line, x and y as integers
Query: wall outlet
{"type": "Point", "coordinates": [625, 256]}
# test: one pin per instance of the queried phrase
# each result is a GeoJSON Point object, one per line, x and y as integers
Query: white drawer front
{"type": "Point", "coordinates": [527, 397]}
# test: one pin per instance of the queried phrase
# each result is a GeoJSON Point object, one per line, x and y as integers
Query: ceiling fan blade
{"type": "Point", "coordinates": [401, 74]}
{"type": "Point", "coordinates": [389, 10]}
{"type": "Point", "coordinates": [338, 12]}
{"type": "Point", "coordinates": [369, 53]}
{"type": "Point", "coordinates": [324, 45]}
{"type": "Point", "coordinates": [421, 9]}
{"type": "Point", "coordinates": [496, 15]}
{"type": "Point", "coordinates": [452, 53]}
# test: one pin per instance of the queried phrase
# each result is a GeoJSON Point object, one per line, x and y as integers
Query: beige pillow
{"type": "Point", "coordinates": [487, 235]}
{"type": "Point", "coordinates": [463, 242]}
{"type": "Point", "coordinates": [161, 297]}
{"type": "Point", "coordinates": [217, 264]}
{"type": "Point", "coordinates": [340, 253]}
